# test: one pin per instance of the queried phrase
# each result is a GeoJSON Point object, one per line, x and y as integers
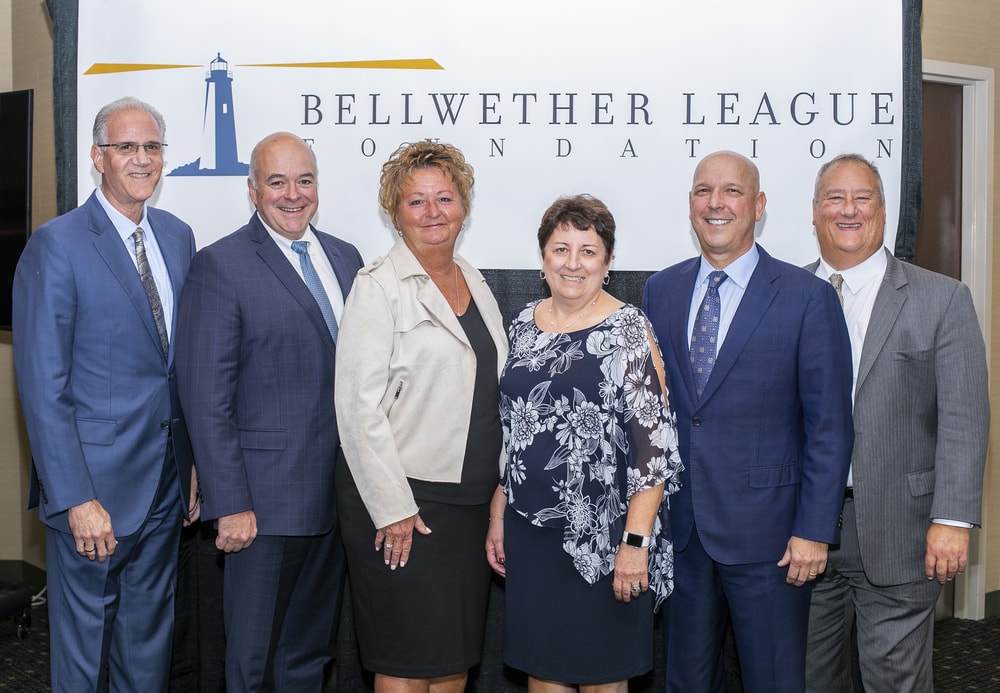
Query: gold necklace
{"type": "Point", "coordinates": [586, 311]}
{"type": "Point", "coordinates": [457, 305]}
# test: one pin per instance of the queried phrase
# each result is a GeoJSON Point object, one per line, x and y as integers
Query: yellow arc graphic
{"type": "Point", "coordinates": [412, 64]}
{"type": "Point", "coordinates": [111, 68]}
{"type": "Point", "coordinates": [409, 64]}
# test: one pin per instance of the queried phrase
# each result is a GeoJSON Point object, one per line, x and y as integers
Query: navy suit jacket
{"type": "Point", "coordinates": [255, 363]}
{"type": "Point", "coordinates": [766, 448]}
{"type": "Point", "coordinates": [100, 402]}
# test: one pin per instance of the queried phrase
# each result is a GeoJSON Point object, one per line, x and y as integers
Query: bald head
{"type": "Point", "coordinates": [739, 164]}
{"type": "Point", "coordinates": [281, 140]}
{"type": "Point", "coordinates": [283, 183]}
{"type": "Point", "coordinates": [725, 205]}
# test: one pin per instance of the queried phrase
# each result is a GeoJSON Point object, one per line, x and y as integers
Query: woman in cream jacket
{"type": "Point", "coordinates": [419, 352]}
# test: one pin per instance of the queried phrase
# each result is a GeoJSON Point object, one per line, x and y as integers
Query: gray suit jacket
{"type": "Point", "coordinates": [921, 419]}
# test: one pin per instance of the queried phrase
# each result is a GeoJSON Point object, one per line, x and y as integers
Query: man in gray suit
{"type": "Point", "coordinates": [921, 416]}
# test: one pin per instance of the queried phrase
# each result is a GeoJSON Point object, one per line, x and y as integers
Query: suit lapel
{"type": "Point", "coordinates": [176, 253]}
{"type": "Point", "coordinates": [433, 301]}
{"type": "Point", "coordinates": [275, 259]}
{"type": "Point", "coordinates": [112, 250]}
{"type": "Point", "coordinates": [344, 273]}
{"type": "Point", "coordinates": [679, 309]}
{"type": "Point", "coordinates": [888, 304]}
{"type": "Point", "coordinates": [759, 294]}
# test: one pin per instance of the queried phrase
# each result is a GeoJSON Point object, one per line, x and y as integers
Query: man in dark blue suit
{"type": "Point", "coordinates": [93, 330]}
{"type": "Point", "coordinates": [761, 387]}
{"type": "Point", "coordinates": [255, 360]}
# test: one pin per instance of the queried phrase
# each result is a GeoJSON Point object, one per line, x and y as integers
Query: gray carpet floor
{"type": "Point", "coordinates": [966, 658]}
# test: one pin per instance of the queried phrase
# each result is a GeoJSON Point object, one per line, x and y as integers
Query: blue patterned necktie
{"type": "Point", "coordinates": [316, 286]}
{"type": "Point", "coordinates": [146, 277]}
{"type": "Point", "coordinates": [705, 335]}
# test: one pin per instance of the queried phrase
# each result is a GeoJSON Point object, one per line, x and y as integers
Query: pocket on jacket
{"type": "Point", "coordinates": [96, 431]}
{"type": "Point", "coordinates": [782, 475]}
{"type": "Point", "coordinates": [921, 483]}
{"type": "Point", "coordinates": [914, 354]}
{"type": "Point", "coordinates": [256, 439]}
{"type": "Point", "coordinates": [412, 319]}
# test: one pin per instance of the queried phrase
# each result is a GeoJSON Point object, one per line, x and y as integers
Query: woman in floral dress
{"type": "Point", "coordinates": [578, 525]}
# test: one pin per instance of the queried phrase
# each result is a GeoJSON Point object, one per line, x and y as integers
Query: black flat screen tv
{"type": "Point", "coordinates": [15, 189]}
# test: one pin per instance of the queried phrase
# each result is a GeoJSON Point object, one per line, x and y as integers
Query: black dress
{"type": "Point", "coordinates": [427, 620]}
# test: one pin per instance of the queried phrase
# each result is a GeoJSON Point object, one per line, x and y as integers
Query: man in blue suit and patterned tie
{"type": "Point", "coordinates": [257, 331]}
{"type": "Point", "coordinates": [758, 358]}
{"type": "Point", "coordinates": [93, 332]}
{"type": "Point", "coordinates": [922, 414]}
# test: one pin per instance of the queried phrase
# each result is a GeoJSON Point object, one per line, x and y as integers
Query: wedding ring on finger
{"type": "Point", "coordinates": [636, 589]}
{"type": "Point", "coordinates": [388, 546]}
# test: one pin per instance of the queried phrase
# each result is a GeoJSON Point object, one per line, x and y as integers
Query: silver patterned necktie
{"type": "Point", "coordinates": [838, 282]}
{"type": "Point", "coordinates": [146, 276]}
{"type": "Point", "coordinates": [705, 335]}
{"type": "Point", "coordinates": [316, 286]}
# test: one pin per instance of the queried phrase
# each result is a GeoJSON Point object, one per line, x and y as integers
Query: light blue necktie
{"type": "Point", "coordinates": [316, 286]}
{"type": "Point", "coordinates": [705, 335]}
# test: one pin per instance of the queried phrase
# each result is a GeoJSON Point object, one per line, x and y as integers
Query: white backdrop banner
{"type": "Point", "coordinates": [544, 97]}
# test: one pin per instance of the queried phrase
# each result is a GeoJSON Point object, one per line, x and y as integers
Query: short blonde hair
{"type": "Point", "coordinates": [410, 157]}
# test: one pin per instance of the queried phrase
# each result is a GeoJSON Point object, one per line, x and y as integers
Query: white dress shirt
{"type": "Point", "coordinates": [320, 261]}
{"type": "Point", "coordinates": [157, 267]}
{"type": "Point", "coordinates": [738, 273]}
{"type": "Point", "coordinates": [860, 287]}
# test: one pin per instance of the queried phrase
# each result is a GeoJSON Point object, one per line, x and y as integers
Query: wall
{"type": "Point", "coordinates": [964, 31]}
{"type": "Point", "coordinates": [25, 63]}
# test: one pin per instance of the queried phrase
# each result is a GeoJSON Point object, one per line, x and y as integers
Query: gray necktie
{"type": "Point", "coordinates": [154, 296]}
{"type": "Point", "coordinates": [838, 281]}
{"type": "Point", "coordinates": [705, 335]}
{"type": "Point", "coordinates": [316, 286]}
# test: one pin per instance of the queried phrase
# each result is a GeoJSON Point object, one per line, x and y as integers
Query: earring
{"type": "Point", "coordinates": [607, 279]}
{"type": "Point", "coordinates": [399, 233]}
{"type": "Point", "coordinates": [541, 275]}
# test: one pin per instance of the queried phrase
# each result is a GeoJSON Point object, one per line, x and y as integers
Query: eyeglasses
{"type": "Point", "coordinates": [130, 148]}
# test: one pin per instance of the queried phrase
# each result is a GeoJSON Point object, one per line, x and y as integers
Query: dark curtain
{"type": "Point", "coordinates": [198, 654]}
{"type": "Point", "coordinates": [911, 185]}
{"type": "Point", "coordinates": [64, 22]}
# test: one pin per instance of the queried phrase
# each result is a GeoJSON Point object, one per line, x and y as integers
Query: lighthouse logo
{"type": "Point", "coordinates": [217, 149]}
{"type": "Point", "coordinates": [218, 140]}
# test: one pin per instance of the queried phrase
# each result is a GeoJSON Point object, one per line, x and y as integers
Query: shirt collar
{"type": "Point", "coordinates": [123, 225]}
{"type": "Point", "coordinates": [738, 271]}
{"type": "Point", "coordinates": [857, 277]}
{"type": "Point", "coordinates": [285, 242]}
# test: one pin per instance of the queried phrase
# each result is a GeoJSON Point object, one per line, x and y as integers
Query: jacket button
{"type": "Point", "coordinates": [696, 421]}
{"type": "Point", "coordinates": [164, 424]}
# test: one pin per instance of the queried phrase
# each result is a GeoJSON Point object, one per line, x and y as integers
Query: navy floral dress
{"type": "Point", "coordinates": [585, 428]}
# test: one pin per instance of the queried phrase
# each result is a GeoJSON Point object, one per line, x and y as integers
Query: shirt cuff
{"type": "Point", "coordinates": [951, 523]}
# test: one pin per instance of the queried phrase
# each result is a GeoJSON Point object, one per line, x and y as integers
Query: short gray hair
{"type": "Point", "coordinates": [127, 103]}
{"type": "Point", "coordinates": [841, 159]}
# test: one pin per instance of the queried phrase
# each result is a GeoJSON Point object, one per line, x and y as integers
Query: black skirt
{"type": "Point", "coordinates": [560, 628]}
{"type": "Point", "coordinates": [425, 620]}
